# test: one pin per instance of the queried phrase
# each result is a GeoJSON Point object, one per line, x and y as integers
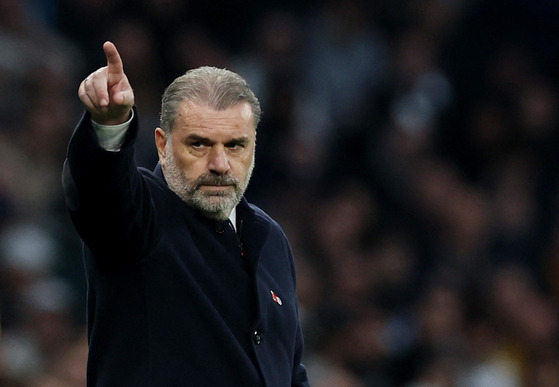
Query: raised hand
{"type": "Point", "coordinates": [106, 93]}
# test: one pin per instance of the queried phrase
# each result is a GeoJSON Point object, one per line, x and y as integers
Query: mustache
{"type": "Point", "coordinates": [212, 179]}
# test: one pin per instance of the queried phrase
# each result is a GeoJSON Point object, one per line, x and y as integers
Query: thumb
{"type": "Point", "coordinates": [124, 97]}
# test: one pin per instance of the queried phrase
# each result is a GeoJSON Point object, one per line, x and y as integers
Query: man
{"type": "Point", "coordinates": [188, 284]}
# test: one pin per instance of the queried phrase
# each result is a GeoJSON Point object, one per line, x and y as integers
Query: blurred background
{"type": "Point", "coordinates": [408, 148]}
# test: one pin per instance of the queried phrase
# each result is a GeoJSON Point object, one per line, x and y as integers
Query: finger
{"type": "Point", "coordinates": [85, 98]}
{"type": "Point", "coordinates": [95, 86]}
{"type": "Point", "coordinates": [115, 68]}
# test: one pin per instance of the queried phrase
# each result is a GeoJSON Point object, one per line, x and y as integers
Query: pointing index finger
{"type": "Point", "coordinates": [115, 68]}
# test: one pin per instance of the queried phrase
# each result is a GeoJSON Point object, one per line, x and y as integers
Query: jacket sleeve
{"type": "Point", "coordinates": [299, 378]}
{"type": "Point", "coordinates": [107, 197]}
{"type": "Point", "coordinates": [299, 374]}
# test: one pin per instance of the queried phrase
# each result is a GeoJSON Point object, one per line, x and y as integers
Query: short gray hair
{"type": "Point", "coordinates": [219, 88]}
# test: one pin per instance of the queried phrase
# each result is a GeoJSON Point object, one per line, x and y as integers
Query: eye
{"type": "Point", "coordinates": [236, 146]}
{"type": "Point", "coordinates": [198, 144]}
{"type": "Point", "coordinates": [197, 147]}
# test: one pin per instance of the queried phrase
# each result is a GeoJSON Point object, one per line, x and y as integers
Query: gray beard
{"type": "Point", "coordinates": [214, 205]}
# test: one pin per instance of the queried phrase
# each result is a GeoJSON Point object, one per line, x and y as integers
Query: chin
{"type": "Point", "coordinates": [216, 215]}
{"type": "Point", "coordinates": [213, 213]}
{"type": "Point", "coordinates": [215, 207]}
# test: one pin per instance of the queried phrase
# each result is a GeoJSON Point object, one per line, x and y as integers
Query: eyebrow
{"type": "Point", "coordinates": [197, 138]}
{"type": "Point", "coordinates": [206, 140]}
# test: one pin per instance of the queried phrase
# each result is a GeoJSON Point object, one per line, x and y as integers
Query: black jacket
{"type": "Point", "coordinates": [171, 299]}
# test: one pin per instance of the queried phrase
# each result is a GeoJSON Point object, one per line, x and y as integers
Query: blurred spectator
{"type": "Point", "coordinates": [407, 147]}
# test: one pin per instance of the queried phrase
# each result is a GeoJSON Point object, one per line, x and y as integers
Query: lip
{"type": "Point", "coordinates": [216, 187]}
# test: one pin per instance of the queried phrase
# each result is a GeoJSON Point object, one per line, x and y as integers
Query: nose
{"type": "Point", "coordinates": [218, 160]}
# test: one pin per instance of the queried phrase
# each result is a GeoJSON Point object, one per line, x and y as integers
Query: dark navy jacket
{"type": "Point", "coordinates": [172, 301]}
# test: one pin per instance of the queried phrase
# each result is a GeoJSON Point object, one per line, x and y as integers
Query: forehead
{"type": "Point", "coordinates": [201, 117]}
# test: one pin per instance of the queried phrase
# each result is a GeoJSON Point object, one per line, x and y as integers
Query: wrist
{"type": "Point", "coordinates": [102, 119]}
{"type": "Point", "coordinates": [111, 137]}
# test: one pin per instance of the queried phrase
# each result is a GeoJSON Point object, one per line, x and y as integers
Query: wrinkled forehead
{"type": "Point", "coordinates": [198, 107]}
{"type": "Point", "coordinates": [203, 117]}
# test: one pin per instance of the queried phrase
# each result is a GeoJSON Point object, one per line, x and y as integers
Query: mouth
{"type": "Point", "coordinates": [216, 186]}
{"type": "Point", "coordinates": [215, 189]}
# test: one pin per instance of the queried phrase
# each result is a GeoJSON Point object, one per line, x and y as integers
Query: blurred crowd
{"type": "Point", "coordinates": [408, 148]}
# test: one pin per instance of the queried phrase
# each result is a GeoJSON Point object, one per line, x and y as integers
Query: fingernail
{"type": "Point", "coordinates": [103, 102]}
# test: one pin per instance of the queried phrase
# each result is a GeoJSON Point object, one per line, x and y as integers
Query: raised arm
{"type": "Point", "coordinates": [106, 93]}
{"type": "Point", "coordinates": [105, 193]}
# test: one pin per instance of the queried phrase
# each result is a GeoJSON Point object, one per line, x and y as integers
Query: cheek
{"type": "Point", "coordinates": [191, 166]}
{"type": "Point", "coordinates": [244, 164]}
{"type": "Point", "coordinates": [186, 166]}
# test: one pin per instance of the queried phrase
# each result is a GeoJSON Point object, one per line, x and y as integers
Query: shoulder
{"type": "Point", "coordinates": [265, 223]}
{"type": "Point", "coordinates": [259, 214]}
{"type": "Point", "coordinates": [155, 180]}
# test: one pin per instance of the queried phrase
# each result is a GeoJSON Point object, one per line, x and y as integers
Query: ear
{"type": "Point", "coordinates": [161, 144]}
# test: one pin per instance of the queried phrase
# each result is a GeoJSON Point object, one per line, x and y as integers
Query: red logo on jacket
{"type": "Point", "coordinates": [276, 298]}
